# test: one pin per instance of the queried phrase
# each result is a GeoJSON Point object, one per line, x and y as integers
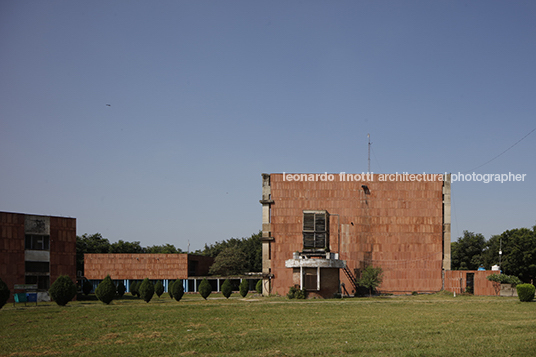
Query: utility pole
{"type": "Point", "coordinates": [500, 255]}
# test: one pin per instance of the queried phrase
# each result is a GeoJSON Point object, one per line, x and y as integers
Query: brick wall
{"type": "Point", "coordinates": [141, 266]}
{"type": "Point", "coordinates": [398, 226]}
{"type": "Point", "coordinates": [456, 281]}
{"type": "Point", "coordinates": [12, 249]}
{"type": "Point", "coordinates": [62, 248]}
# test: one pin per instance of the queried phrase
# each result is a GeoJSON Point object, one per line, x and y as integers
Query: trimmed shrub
{"type": "Point", "coordinates": [258, 287]}
{"type": "Point", "coordinates": [292, 292]}
{"type": "Point", "coordinates": [226, 288]}
{"type": "Point", "coordinates": [295, 293]}
{"type": "Point", "coordinates": [300, 294]}
{"type": "Point", "coordinates": [244, 287]}
{"type": "Point", "coordinates": [177, 289]}
{"type": "Point", "coordinates": [134, 289]}
{"type": "Point", "coordinates": [106, 290]}
{"type": "Point", "coordinates": [525, 292]}
{"type": "Point", "coordinates": [62, 290]}
{"type": "Point", "coordinates": [205, 288]}
{"type": "Point", "coordinates": [4, 293]}
{"type": "Point", "coordinates": [170, 289]}
{"type": "Point", "coordinates": [146, 290]}
{"type": "Point", "coordinates": [159, 288]}
{"type": "Point", "coordinates": [121, 288]}
{"type": "Point", "coordinates": [87, 287]}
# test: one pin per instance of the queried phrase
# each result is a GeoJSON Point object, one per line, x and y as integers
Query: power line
{"type": "Point", "coordinates": [517, 142]}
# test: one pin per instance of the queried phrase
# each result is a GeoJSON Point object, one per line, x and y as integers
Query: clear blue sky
{"type": "Point", "coordinates": [204, 96]}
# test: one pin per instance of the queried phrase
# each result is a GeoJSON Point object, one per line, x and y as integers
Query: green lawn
{"type": "Point", "coordinates": [433, 325]}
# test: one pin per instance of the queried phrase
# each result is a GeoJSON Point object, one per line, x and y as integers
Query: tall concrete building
{"type": "Point", "coordinates": [35, 250]}
{"type": "Point", "coordinates": [319, 231]}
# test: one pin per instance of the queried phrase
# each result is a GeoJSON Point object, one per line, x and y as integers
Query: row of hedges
{"type": "Point", "coordinates": [64, 290]}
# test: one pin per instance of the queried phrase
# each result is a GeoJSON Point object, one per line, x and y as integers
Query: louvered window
{"type": "Point", "coordinates": [315, 230]}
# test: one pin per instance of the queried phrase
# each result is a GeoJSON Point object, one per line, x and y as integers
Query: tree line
{"type": "Point", "coordinates": [518, 248]}
{"type": "Point", "coordinates": [239, 255]}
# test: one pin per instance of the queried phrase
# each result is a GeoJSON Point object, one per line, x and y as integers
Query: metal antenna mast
{"type": "Point", "coordinates": [368, 136]}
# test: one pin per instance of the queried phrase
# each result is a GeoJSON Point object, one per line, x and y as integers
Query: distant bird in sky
{"type": "Point", "coordinates": [108, 105]}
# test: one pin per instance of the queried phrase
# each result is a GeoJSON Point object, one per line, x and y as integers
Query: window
{"type": "Point", "coordinates": [43, 282]}
{"type": "Point", "coordinates": [37, 267]}
{"type": "Point", "coordinates": [315, 231]}
{"type": "Point", "coordinates": [37, 242]}
{"type": "Point", "coordinates": [192, 267]}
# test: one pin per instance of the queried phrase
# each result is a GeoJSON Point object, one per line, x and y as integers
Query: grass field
{"type": "Point", "coordinates": [424, 325]}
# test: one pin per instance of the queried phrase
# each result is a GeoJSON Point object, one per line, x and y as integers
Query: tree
{"type": "Point", "coordinates": [205, 288]}
{"type": "Point", "coordinates": [371, 278]}
{"type": "Point", "coordinates": [146, 290]}
{"type": "Point", "coordinates": [86, 243]}
{"type": "Point", "coordinates": [251, 247]}
{"type": "Point", "coordinates": [62, 290]}
{"type": "Point", "coordinates": [106, 290]}
{"type": "Point", "coordinates": [159, 288]}
{"type": "Point", "coordinates": [231, 261]}
{"type": "Point", "coordinates": [4, 293]}
{"type": "Point", "coordinates": [467, 251]}
{"type": "Point", "coordinates": [121, 288]}
{"type": "Point", "coordinates": [244, 287]}
{"type": "Point", "coordinates": [177, 289]}
{"type": "Point", "coordinates": [258, 286]}
{"type": "Point", "coordinates": [226, 288]}
{"type": "Point", "coordinates": [163, 249]}
{"type": "Point", "coordinates": [126, 247]}
{"type": "Point", "coordinates": [519, 252]}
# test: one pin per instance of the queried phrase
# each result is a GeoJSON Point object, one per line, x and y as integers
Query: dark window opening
{"type": "Point", "coordinates": [192, 267]}
{"type": "Point", "coordinates": [37, 267]}
{"type": "Point", "coordinates": [37, 242]}
{"type": "Point", "coordinates": [43, 282]}
{"type": "Point", "coordinates": [310, 278]}
{"type": "Point", "coordinates": [315, 230]}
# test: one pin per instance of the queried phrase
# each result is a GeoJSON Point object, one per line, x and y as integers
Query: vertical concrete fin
{"type": "Point", "coordinates": [266, 238]}
{"type": "Point", "coordinates": [446, 221]}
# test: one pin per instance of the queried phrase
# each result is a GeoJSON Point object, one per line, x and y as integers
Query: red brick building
{"type": "Point", "coordinates": [190, 268]}
{"type": "Point", "coordinates": [399, 222]}
{"type": "Point", "coordinates": [36, 249]}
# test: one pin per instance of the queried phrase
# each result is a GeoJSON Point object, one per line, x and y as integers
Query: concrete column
{"type": "Point", "coordinates": [446, 222]}
{"type": "Point", "coordinates": [318, 278]}
{"type": "Point", "coordinates": [266, 202]}
{"type": "Point", "coordinates": [301, 276]}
